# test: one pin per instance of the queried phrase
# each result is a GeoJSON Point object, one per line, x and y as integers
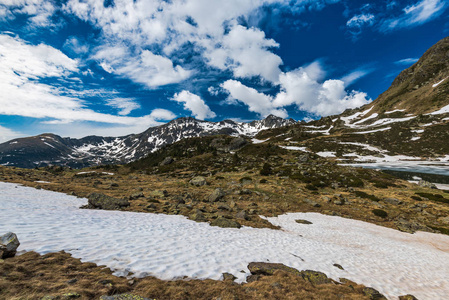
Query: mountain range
{"type": "Point", "coordinates": [410, 119]}
{"type": "Point", "coordinates": [50, 149]}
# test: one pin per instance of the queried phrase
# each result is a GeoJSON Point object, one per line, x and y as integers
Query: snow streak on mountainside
{"type": "Point", "coordinates": [47, 149]}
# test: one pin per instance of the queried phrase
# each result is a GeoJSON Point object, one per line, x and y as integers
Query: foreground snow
{"type": "Point", "coordinates": [171, 246]}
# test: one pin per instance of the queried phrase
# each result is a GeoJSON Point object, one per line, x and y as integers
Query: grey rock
{"type": "Point", "coordinates": [101, 201]}
{"type": "Point", "coordinates": [427, 184]}
{"type": "Point", "coordinates": [393, 201]}
{"type": "Point", "coordinates": [198, 181]}
{"type": "Point", "coordinates": [229, 276]}
{"type": "Point", "coordinates": [8, 245]}
{"type": "Point", "coordinates": [216, 195]}
{"type": "Point", "coordinates": [311, 202]}
{"type": "Point", "coordinates": [303, 222]}
{"type": "Point", "coordinates": [242, 215]}
{"type": "Point", "coordinates": [168, 160]}
{"type": "Point", "coordinates": [373, 294]}
{"type": "Point", "coordinates": [225, 223]}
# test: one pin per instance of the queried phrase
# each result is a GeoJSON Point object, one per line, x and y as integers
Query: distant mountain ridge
{"type": "Point", "coordinates": [51, 149]}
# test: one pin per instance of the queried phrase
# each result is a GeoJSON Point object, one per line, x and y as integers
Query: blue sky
{"type": "Point", "coordinates": [115, 67]}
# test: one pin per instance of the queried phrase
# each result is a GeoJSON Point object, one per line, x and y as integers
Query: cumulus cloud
{"type": "Point", "coordinates": [256, 102]}
{"type": "Point", "coordinates": [416, 14]}
{"type": "Point", "coordinates": [38, 12]}
{"type": "Point", "coordinates": [301, 87]}
{"type": "Point", "coordinates": [23, 66]}
{"type": "Point", "coordinates": [211, 26]}
{"type": "Point", "coordinates": [146, 68]}
{"type": "Point", "coordinates": [195, 104]}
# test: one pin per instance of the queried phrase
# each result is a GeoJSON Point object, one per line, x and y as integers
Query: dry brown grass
{"type": "Point", "coordinates": [32, 276]}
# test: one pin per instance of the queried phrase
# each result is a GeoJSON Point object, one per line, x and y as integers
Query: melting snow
{"type": "Point", "coordinates": [326, 154]}
{"type": "Point", "coordinates": [256, 141]}
{"type": "Point", "coordinates": [295, 148]}
{"type": "Point", "coordinates": [168, 247]}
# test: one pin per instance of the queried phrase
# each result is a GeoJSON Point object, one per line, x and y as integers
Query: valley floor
{"type": "Point", "coordinates": [168, 247]}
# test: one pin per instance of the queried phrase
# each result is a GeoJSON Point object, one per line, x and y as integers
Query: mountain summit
{"type": "Point", "coordinates": [51, 149]}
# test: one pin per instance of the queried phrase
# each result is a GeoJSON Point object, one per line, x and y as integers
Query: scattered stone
{"type": "Point", "coordinates": [408, 297]}
{"type": "Point", "coordinates": [224, 206]}
{"type": "Point", "coordinates": [124, 297]}
{"type": "Point", "coordinates": [303, 222]}
{"type": "Point", "coordinates": [216, 195]}
{"type": "Point", "coordinates": [101, 201]}
{"type": "Point", "coordinates": [229, 276]}
{"type": "Point", "coordinates": [338, 266]}
{"type": "Point", "coordinates": [311, 202]}
{"type": "Point", "coordinates": [393, 201]}
{"type": "Point", "coordinates": [339, 201]}
{"type": "Point", "coordinates": [427, 184]}
{"type": "Point", "coordinates": [168, 160]}
{"type": "Point", "coordinates": [198, 181]}
{"type": "Point", "coordinates": [152, 206]}
{"type": "Point", "coordinates": [113, 185]}
{"type": "Point", "coordinates": [8, 245]}
{"type": "Point", "coordinates": [252, 278]}
{"type": "Point", "coordinates": [225, 223]}
{"type": "Point", "coordinates": [373, 294]}
{"type": "Point", "coordinates": [48, 297]}
{"type": "Point", "coordinates": [242, 215]}
{"type": "Point", "coordinates": [303, 158]}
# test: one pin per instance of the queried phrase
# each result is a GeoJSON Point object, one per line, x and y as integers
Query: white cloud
{"type": "Point", "coordinates": [256, 102]}
{"type": "Point", "coordinates": [22, 66]}
{"type": "Point", "coordinates": [7, 134]}
{"type": "Point", "coordinates": [124, 105]}
{"type": "Point", "coordinates": [146, 68]}
{"type": "Point", "coordinates": [416, 14]}
{"type": "Point", "coordinates": [211, 26]}
{"type": "Point", "coordinates": [38, 11]}
{"type": "Point", "coordinates": [406, 61]}
{"type": "Point", "coordinates": [355, 75]}
{"type": "Point", "coordinates": [360, 20]}
{"type": "Point", "coordinates": [302, 88]}
{"type": "Point", "coordinates": [195, 104]}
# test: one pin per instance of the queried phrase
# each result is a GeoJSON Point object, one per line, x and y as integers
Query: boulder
{"type": "Point", "coordinates": [373, 294]}
{"type": "Point", "coordinates": [8, 245]}
{"type": "Point", "coordinates": [315, 277]}
{"type": "Point", "coordinates": [426, 184]}
{"type": "Point", "coordinates": [198, 181]}
{"type": "Point", "coordinates": [101, 201]}
{"type": "Point", "coordinates": [393, 201]}
{"type": "Point", "coordinates": [136, 195]}
{"type": "Point", "coordinates": [407, 297]}
{"type": "Point", "coordinates": [242, 215]}
{"type": "Point", "coordinates": [411, 226]}
{"type": "Point", "coordinates": [229, 276]}
{"type": "Point", "coordinates": [311, 202]}
{"type": "Point", "coordinates": [268, 269]}
{"type": "Point", "coordinates": [216, 195]}
{"type": "Point", "coordinates": [197, 215]}
{"type": "Point", "coordinates": [303, 222]}
{"type": "Point", "coordinates": [225, 223]}
{"type": "Point", "coordinates": [168, 160]}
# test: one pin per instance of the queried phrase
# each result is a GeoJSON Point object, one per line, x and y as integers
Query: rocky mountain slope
{"type": "Point", "coordinates": [410, 121]}
{"type": "Point", "coordinates": [50, 149]}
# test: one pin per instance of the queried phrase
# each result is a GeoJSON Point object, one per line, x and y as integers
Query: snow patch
{"type": "Point", "coordinates": [438, 83]}
{"type": "Point", "coordinates": [393, 262]}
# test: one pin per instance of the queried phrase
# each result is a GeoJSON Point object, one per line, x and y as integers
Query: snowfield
{"type": "Point", "coordinates": [170, 247]}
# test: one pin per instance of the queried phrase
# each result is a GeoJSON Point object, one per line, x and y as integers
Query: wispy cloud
{"type": "Point", "coordinates": [7, 134]}
{"type": "Point", "coordinates": [23, 67]}
{"type": "Point", "coordinates": [406, 61]}
{"type": "Point", "coordinates": [414, 15]}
